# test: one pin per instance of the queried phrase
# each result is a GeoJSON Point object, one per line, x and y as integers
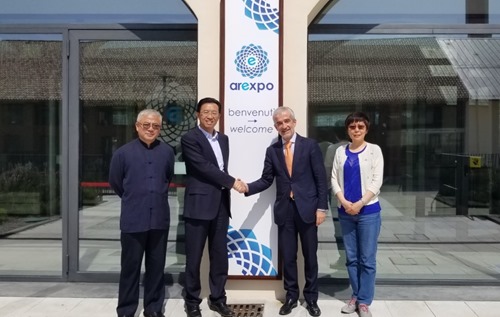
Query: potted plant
{"type": "Point", "coordinates": [91, 196]}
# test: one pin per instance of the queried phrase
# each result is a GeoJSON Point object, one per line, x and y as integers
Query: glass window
{"type": "Point", "coordinates": [118, 79]}
{"type": "Point", "coordinates": [434, 108]}
{"type": "Point", "coordinates": [30, 108]}
{"type": "Point", "coordinates": [408, 11]}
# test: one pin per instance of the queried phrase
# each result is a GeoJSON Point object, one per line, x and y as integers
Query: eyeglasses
{"type": "Point", "coordinates": [208, 112]}
{"type": "Point", "coordinates": [359, 126]}
{"type": "Point", "coordinates": [147, 125]}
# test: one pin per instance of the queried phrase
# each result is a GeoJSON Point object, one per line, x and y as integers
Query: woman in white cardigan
{"type": "Point", "coordinates": [357, 175]}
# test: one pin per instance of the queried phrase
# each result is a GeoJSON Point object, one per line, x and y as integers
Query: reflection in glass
{"type": "Point", "coordinates": [90, 12]}
{"type": "Point", "coordinates": [411, 12]}
{"type": "Point", "coordinates": [119, 79]}
{"type": "Point", "coordinates": [30, 106]}
{"type": "Point", "coordinates": [433, 103]}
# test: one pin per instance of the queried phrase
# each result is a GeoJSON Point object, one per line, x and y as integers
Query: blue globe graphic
{"type": "Point", "coordinates": [251, 61]}
{"type": "Point", "coordinates": [254, 258]}
{"type": "Point", "coordinates": [265, 17]}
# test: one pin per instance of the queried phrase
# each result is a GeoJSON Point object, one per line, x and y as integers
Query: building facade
{"type": "Point", "coordinates": [428, 74]}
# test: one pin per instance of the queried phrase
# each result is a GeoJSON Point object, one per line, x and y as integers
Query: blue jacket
{"type": "Point", "coordinates": [141, 176]}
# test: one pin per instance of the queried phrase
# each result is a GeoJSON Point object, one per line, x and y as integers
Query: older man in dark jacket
{"type": "Point", "coordinates": [140, 173]}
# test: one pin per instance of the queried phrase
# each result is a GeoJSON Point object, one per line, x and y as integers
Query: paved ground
{"type": "Point", "coordinates": [420, 248]}
{"type": "Point", "coordinates": [23, 299]}
{"type": "Point", "coordinates": [426, 249]}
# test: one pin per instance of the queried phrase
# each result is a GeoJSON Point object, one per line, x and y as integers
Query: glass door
{"type": "Point", "coordinates": [113, 76]}
{"type": "Point", "coordinates": [31, 217]}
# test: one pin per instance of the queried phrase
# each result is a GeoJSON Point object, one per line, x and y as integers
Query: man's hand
{"type": "Point", "coordinates": [320, 217]}
{"type": "Point", "coordinates": [240, 186]}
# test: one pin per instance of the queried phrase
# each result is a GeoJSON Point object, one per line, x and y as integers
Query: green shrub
{"type": "Point", "coordinates": [91, 196]}
{"type": "Point", "coordinates": [89, 193]}
{"type": "Point", "coordinates": [3, 215]}
{"type": "Point", "coordinates": [495, 184]}
{"type": "Point", "coordinates": [21, 178]}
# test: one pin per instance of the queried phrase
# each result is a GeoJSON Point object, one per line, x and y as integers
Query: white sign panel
{"type": "Point", "coordinates": [251, 94]}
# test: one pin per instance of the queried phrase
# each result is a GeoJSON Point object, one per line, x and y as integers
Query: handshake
{"type": "Point", "coordinates": [240, 186]}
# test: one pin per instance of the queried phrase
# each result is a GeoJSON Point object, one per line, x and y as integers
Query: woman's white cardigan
{"type": "Point", "coordinates": [371, 162]}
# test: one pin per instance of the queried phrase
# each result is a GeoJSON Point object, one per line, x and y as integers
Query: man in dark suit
{"type": "Point", "coordinates": [207, 208]}
{"type": "Point", "coordinates": [300, 206]}
{"type": "Point", "coordinates": [140, 173]}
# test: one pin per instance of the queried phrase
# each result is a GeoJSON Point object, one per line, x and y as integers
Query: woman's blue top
{"type": "Point", "coordinates": [352, 183]}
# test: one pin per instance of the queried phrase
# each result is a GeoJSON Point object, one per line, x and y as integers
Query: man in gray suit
{"type": "Point", "coordinates": [300, 206]}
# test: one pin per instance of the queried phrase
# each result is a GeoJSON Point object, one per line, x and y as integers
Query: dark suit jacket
{"type": "Point", "coordinates": [140, 175]}
{"type": "Point", "coordinates": [205, 180]}
{"type": "Point", "coordinates": [308, 181]}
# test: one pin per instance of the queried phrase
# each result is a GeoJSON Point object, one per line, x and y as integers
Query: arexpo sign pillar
{"type": "Point", "coordinates": [250, 93]}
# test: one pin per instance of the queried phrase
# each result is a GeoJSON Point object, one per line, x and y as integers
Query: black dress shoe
{"type": "Point", "coordinates": [221, 308]}
{"type": "Point", "coordinates": [313, 309]}
{"type": "Point", "coordinates": [154, 314]}
{"type": "Point", "coordinates": [288, 306]}
{"type": "Point", "coordinates": [192, 310]}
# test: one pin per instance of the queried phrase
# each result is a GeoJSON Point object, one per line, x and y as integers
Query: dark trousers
{"type": "Point", "coordinates": [152, 245]}
{"type": "Point", "coordinates": [288, 245]}
{"type": "Point", "coordinates": [197, 231]}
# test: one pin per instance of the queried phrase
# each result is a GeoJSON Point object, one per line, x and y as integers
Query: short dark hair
{"type": "Point", "coordinates": [208, 100]}
{"type": "Point", "coordinates": [357, 117]}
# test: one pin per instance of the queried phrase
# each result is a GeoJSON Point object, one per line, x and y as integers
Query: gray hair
{"type": "Point", "coordinates": [281, 110]}
{"type": "Point", "coordinates": [148, 112]}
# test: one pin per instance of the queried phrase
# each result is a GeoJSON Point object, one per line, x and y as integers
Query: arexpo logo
{"type": "Point", "coordinates": [263, 14]}
{"type": "Point", "coordinates": [251, 61]}
{"type": "Point", "coordinates": [254, 258]}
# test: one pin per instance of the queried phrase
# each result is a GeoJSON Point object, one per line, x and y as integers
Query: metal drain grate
{"type": "Point", "coordinates": [247, 310]}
